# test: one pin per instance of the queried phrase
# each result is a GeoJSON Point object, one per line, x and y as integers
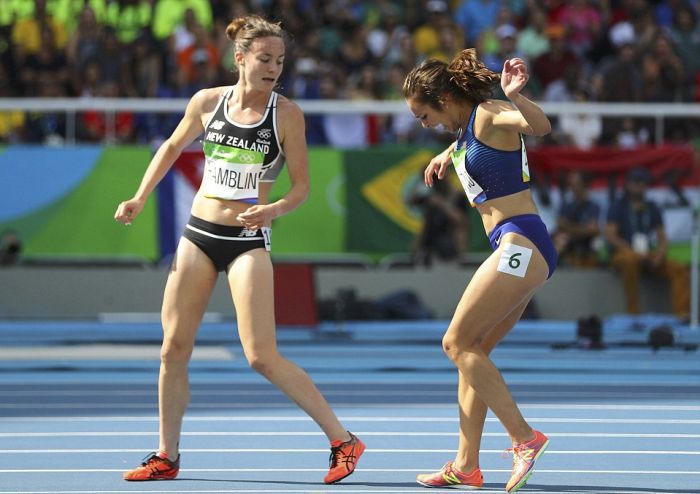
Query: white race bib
{"type": "Point", "coordinates": [475, 194]}
{"type": "Point", "coordinates": [514, 260]}
{"type": "Point", "coordinates": [267, 236]}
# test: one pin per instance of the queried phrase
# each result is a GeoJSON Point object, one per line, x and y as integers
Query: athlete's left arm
{"type": "Point", "coordinates": [523, 116]}
{"type": "Point", "coordinates": [291, 127]}
{"type": "Point", "coordinates": [293, 139]}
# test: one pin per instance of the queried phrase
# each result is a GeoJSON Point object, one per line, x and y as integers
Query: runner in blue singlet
{"type": "Point", "coordinates": [490, 159]}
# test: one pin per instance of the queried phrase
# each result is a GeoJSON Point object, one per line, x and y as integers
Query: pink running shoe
{"type": "Point", "coordinates": [451, 477]}
{"type": "Point", "coordinates": [524, 457]}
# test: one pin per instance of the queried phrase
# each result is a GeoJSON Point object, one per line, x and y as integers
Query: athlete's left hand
{"type": "Point", "coordinates": [257, 216]}
{"type": "Point", "coordinates": [514, 77]}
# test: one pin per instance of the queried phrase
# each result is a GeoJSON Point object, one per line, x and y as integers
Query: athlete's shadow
{"type": "Point", "coordinates": [583, 489]}
{"type": "Point", "coordinates": [403, 485]}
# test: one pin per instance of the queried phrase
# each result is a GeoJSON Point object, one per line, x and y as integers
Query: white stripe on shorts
{"type": "Point", "coordinates": [220, 237]}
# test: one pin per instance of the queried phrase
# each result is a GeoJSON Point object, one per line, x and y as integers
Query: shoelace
{"type": "Point", "coordinates": [150, 458]}
{"type": "Point", "coordinates": [336, 453]}
{"type": "Point", "coordinates": [519, 452]}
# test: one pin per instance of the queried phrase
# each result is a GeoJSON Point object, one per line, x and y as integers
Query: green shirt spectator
{"type": "Point", "coordinates": [129, 18]}
{"type": "Point", "coordinates": [170, 13]}
{"type": "Point", "coordinates": [67, 12]}
{"type": "Point", "coordinates": [11, 10]}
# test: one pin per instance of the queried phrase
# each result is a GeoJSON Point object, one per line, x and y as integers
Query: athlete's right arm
{"type": "Point", "coordinates": [438, 165]}
{"type": "Point", "coordinates": [187, 131]}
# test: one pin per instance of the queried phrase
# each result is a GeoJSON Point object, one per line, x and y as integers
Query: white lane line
{"type": "Point", "coordinates": [70, 405]}
{"type": "Point", "coordinates": [359, 433]}
{"type": "Point", "coordinates": [389, 392]}
{"type": "Point", "coordinates": [272, 418]}
{"type": "Point", "coordinates": [325, 450]}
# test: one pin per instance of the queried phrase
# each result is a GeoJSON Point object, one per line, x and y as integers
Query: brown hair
{"type": "Point", "coordinates": [246, 29]}
{"type": "Point", "coordinates": [465, 78]}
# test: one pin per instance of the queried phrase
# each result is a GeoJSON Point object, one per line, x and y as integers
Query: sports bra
{"type": "Point", "coordinates": [487, 173]}
{"type": "Point", "coordinates": [238, 156]}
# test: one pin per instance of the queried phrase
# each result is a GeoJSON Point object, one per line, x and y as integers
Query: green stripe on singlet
{"type": "Point", "coordinates": [232, 155]}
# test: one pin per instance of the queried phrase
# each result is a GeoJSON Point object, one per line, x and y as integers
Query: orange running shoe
{"type": "Point", "coordinates": [344, 458]}
{"type": "Point", "coordinates": [451, 477]}
{"type": "Point", "coordinates": [157, 466]}
{"type": "Point", "coordinates": [524, 457]}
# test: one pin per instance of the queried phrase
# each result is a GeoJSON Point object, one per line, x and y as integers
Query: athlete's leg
{"type": "Point", "coordinates": [488, 299]}
{"type": "Point", "coordinates": [251, 282]}
{"type": "Point", "coordinates": [190, 283]}
{"type": "Point", "coordinates": [472, 409]}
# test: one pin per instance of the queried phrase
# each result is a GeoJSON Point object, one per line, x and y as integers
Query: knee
{"type": "Point", "coordinates": [175, 352]}
{"type": "Point", "coordinates": [459, 353]}
{"type": "Point", "coordinates": [262, 362]}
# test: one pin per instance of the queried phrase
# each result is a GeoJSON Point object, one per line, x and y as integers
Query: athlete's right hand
{"type": "Point", "coordinates": [128, 210]}
{"type": "Point", "coordinates": [438, 165]}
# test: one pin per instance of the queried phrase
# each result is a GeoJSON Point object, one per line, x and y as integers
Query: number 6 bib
{"type": "Point", "coordinates": [514, 260]}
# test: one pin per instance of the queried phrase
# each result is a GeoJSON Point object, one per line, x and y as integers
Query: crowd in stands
{"type": "Point", "coordinates": [577, 50]}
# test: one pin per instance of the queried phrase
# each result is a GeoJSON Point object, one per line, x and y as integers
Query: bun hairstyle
{"type": "Point", "coordinates": [246, 29]}
{"type": "Point", "coordinates": [465, 78]}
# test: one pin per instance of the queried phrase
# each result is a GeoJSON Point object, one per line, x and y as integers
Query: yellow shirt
{"type": "Point", "coordinates": [27, 34]}
{"type": "Point", "coordinates": [10, 121]}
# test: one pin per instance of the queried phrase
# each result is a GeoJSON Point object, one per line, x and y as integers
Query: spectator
{"type": "Point", "coordinates": [354, 53]}
{"type": "Point", "coordinates": [11, 121]}
{"type": "Point", "coordinates": [27, 32]}
{"type": "Point", "coordinates": [184, 32]}
{"type": "Point", "coordinates": [84, 46]}
{"type": "Point", "coordinates": [581, 130]}
{"type": "Point", "coordinates": [475, 16]}
{"type": "Point", "coordinates": [47, 127]}
{"type": "Point", "coordinates": [10, 248]}
{"type": "Point", "coordinates": [67, 12]}
{"type": "Point", "coordinates": [129, 18]}
{"type": "Point", "coordinates": [533, 40]}
{"type": "Point", "coordinates": [635, 232]}
{"type": "Point", "coordinates": [443, 235]}
{"type": "Point", "coordinates": [96, 126]}
{"type": "Point", "coordinates": [48, 63]}
{"type": "Point", "coordinates": [564, 89]}
{"type": "Point", "coordinates": [685, 35]}
{"type": "Point", "coordinates": [663, 74]}
{"type": "Point", "coordinates": [577, 224]}
{"type": "Point", "coordinates": [200, 56]}
{"type": "Point", "coordinates": [631, 135]}
{"type": "Point", "coordinates": [506, 36]}
{"type": "Point", "coordinates": [145, 68]}
{"type": "Point", "coordinates": [552, 65]}
{"type": "Point", "coordinates": [384, 41]}
{"type": "Point", "coordinates": [427, 37]}
{"type": "Point", "coordinates": [582, 22]}
{"type": "Point", "coordinates": [167, 14]}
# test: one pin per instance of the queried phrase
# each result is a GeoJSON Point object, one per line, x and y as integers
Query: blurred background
{"type": "Point", "coordinates": [90, 88]}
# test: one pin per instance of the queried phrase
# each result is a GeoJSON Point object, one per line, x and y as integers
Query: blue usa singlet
{"type": "Point", "coordinates": [485, 172]}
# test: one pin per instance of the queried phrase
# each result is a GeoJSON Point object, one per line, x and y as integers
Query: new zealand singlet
{"type": "Point", "coordinates": [237, 156]}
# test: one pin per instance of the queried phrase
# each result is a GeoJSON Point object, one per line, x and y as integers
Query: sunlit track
{"type": "Point", "coordinates": [632, 428]}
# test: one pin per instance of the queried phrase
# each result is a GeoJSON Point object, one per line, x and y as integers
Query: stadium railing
{"type": "Point", "coordinates": [660, 112]}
